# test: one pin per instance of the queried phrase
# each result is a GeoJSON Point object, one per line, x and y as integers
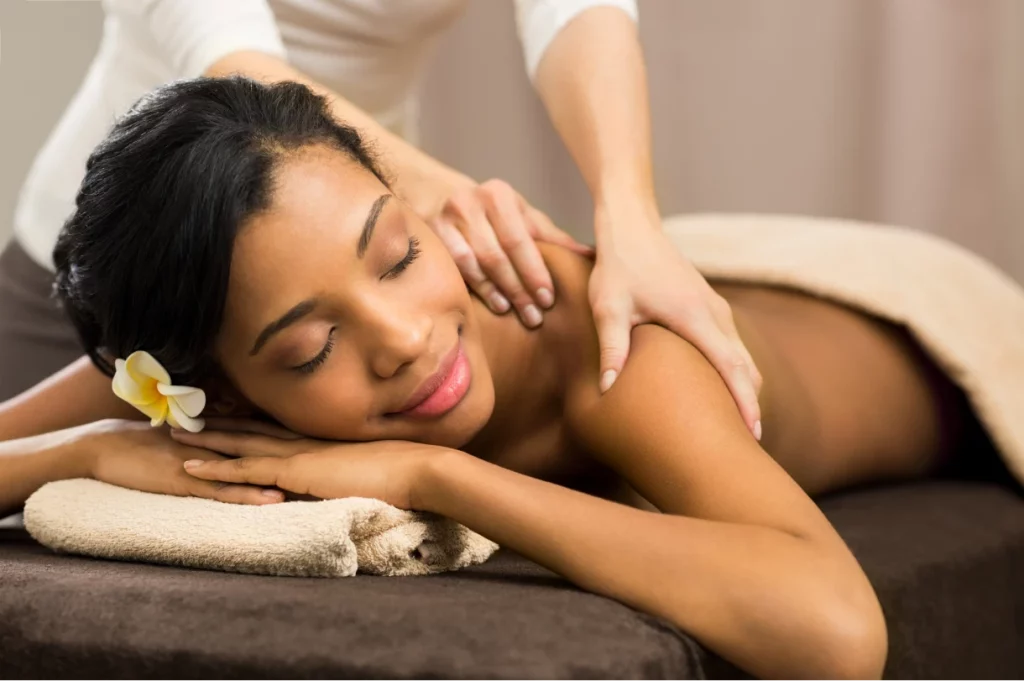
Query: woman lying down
{"type": "Point", "coordinates": [236, 236]}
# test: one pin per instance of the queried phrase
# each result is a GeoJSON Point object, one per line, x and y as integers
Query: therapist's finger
{"type": "Point", "coordinates": [494, 262]}
{"type": "Point", "coordinates": [707, 336]}
{"type": "Point", "coordinates": [468, 266]}
{"type": "Point", "coordinates": [505, 210]}
{"type": "Point", "coordinates": [722, 312]}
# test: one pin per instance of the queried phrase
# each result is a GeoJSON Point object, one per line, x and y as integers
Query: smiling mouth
{"type": "Point", "coordinates": [443, 391]}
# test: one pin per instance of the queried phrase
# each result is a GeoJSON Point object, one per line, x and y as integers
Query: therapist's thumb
{"type": "Point", "coordinates": [613, 335]}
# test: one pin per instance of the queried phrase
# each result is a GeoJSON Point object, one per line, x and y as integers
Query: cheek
{"type": "Point", "coordinates": [321, 410]}
{"type": "Point", "coordinates": [332, 403]}
{"type": "Point", "coordinates": [439, 278]}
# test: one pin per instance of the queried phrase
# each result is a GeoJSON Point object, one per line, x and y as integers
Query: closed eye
{"type": "Point", "coordinates": [410, 258]}
{"type": "Point", "coordinates": [314, 364]}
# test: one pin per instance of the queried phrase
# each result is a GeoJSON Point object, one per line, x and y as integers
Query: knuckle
{"type": "Point", "coordinates": [611, 355]}
{"type": "Point", "coordinates": [736, 362]}
{"type": "Point", "coordinates": [607, 310]}
{"type": "Point", "coordinates": [243, 463]}
{"type": "Point", "coordinates": [497, 188]}
{"type": "Point", "coordinates": [457, 205]}
{"type": "Point", "coordinates": [463, 258]}
{"type": "Point", "coordinates": [491, 258]}
{"type": "Point", "coordinates": [720, 306]}
{"type": "Point", "coordinates": [510, 237]}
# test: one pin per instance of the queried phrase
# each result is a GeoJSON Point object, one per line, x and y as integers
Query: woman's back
{"type": "Point", "coordinates": [846, 397]}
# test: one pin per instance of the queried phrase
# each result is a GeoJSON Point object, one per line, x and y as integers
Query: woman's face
{"type": "Point", "coordinates": [346, 317]}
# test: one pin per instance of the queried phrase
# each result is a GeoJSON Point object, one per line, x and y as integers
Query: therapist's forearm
{"type": "Point", "coordinates": [593, 82]}
{"type": "Point", "coordinates": [411, 165]}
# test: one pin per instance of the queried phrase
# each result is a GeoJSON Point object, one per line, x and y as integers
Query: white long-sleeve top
{"type": "Point", "coordinates": [372, 52]}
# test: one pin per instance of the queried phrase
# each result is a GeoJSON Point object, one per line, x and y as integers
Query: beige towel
{"type": "Point", "coordinates": [332, 538]}
{"type": "Point", "coordinates": [963, 311]}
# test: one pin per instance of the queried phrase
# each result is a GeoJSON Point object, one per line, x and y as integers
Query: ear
{"type": "Point", "coordinates": [223, 399]}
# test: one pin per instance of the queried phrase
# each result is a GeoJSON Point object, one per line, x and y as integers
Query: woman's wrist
{"type": "Point", "coordinates": [67, 455]}
{"type": "Point", "coordinates": [434, 478]}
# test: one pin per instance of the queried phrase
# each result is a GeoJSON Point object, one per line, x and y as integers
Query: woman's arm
{"type": "Point", "coordinates": [778, 596]}
{"type": "Point", "coordinates": [770, 602]}
{"type": "Point", "coordinates": [79, 393]}
{"type": "Point", "coordinates": [741, 558]}
{"type": "Point", "coordinates": [123, 453]}
{"type": "Point", "coordinates": [593, 82]}
{"type": "Point", "coordinates": [755, 571]}
{"type": "Point", "coordinates": [27, 464]}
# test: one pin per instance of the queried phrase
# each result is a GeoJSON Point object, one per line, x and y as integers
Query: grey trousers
{"type": "Point", "coordinates": [36, 338]}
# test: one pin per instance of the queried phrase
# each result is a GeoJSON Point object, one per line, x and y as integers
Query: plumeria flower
{"type": "Point", "coordinates": [143, 383]}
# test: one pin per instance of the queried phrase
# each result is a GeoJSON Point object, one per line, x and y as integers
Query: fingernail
{"type": "Point", "coordinates": [607, 379]}
{"type": "Point", "coordinates": [757, 430]}
{"type": "Point", "coordinates": [532, 316]}
{"type": "Point", "coordinates": [272, 493]}
{"type": "Point", "coordinates": [193, 463]}
{"type": "Point", "coordinates": [545, 297]}
{"type": "Point", "coordinates": [498, 302]}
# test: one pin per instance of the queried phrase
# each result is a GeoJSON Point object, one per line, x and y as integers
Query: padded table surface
{"type": "Point", "coordinates": [947, 560]}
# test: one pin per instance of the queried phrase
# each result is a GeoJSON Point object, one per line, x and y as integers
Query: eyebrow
{"type": "Point", "coordinates": [305, 307]}
{"type": "Point", "coordinates": [371, 222]}
{"type": "Point", "coordinates": [284, 321]}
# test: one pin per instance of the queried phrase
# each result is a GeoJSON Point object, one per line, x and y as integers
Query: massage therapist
{"type": "Point", "coordinates": [585, 61]}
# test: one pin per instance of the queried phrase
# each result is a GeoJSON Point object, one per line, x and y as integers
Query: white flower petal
{"type": "Point", "coordinates": [179, 419]}
{"type": "Point", "coordinates": [141, 363]}
{"type": "Point", "coordinates": [192, 402]}
{"type": "Point", "coordinates": [125, 388]}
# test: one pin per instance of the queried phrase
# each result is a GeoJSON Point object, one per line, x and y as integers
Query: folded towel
{"type": "Point", "coordinates": [331, 538]}
{"type": "Point", "coordinates": [966, 314]}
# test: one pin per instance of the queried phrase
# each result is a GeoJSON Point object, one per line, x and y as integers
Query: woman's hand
{"type": "Point", "coordinates": [641, 277]}
{"type": "Point", "coordinates": [135, 455]}
{"type": "Point", "coordinates": [388, 470]}
{"type": "Point", "coordinates": [491, 232]}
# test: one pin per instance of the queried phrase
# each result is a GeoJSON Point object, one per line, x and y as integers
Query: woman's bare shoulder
{"type": "Point", "coordinates": [568, 329]}
{"type": "Point", "coordinates": [571, 275]}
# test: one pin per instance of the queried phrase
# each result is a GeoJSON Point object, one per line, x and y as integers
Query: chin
{"type": "Point", "coordinates": [457, 428]}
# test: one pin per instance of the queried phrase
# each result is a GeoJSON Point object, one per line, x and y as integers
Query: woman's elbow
{"type": "Point", "coordinates": [853, 644]}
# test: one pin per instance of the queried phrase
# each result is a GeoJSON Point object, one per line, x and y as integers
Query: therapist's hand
{"type": "Point", "coordinates": [491, 232]}
{"type": "Point", "coordinates": [641, 277]}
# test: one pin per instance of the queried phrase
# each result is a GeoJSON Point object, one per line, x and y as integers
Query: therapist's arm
{"type": "Point", "coordinates": [419, 176]}
{"type": "Point", "coordinates": [487, 227]}
{"type": "Point", "coordinates": [593, 82]}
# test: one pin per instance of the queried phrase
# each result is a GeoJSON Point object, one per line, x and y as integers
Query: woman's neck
{"type": "Point", "coordinates": [525, 377]}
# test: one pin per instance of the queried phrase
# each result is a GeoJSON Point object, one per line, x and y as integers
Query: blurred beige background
{"type": "Point", "coordinates": [902, 111]}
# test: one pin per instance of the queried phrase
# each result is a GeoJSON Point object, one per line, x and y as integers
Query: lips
{"type": "Point", "coordinates": [443, 390]}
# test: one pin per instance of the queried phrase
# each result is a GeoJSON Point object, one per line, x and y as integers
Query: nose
{"type": "Point", "coordinates": [397, 337]}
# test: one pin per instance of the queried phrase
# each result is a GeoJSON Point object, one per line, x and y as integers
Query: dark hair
{"type": "Point", "coordinates": [143, 262]}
